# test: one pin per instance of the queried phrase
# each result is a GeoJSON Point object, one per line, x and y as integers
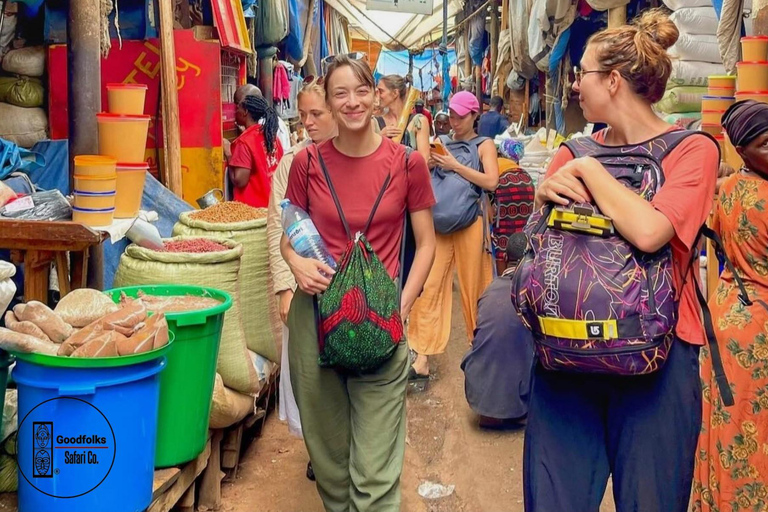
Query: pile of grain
{"type": "Point", "coordinates": [229, 212]}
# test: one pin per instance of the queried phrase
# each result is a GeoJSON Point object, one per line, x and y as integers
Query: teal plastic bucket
{"type": "Point", "coordinates": [186, 385]}
{"type": "Point", "coordinates": [87, 431]}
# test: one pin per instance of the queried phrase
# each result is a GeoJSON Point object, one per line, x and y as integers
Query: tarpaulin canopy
{"type": "Point", "coordinates": [396, 30]}
{"type": "Point", "coordinates": [425, 66]}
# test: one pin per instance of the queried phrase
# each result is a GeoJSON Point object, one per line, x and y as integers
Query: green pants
{"type": "Point", "coordinates": [354, 426]}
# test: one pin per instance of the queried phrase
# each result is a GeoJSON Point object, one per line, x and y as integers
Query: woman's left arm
{"type": "Point", "coordinates": [487, 179]}
{"type": "Point", "coordinates": [422, 137]}
{"type": "Point", "coordinates": [635, 218]}
{"type": "Point", "coordinates": [676, 212]}
{"type": "Point", "coordinates": [424, 232]}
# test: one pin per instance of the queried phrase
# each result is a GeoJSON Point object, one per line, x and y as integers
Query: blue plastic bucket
{"type": "Point", "coordinates": [87, 431]}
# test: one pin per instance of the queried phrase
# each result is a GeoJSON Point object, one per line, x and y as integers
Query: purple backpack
{"type": "Point", "coordinates": [594, 302]}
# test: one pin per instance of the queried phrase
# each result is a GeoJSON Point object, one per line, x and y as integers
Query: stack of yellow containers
{"type": "Point", "coordinates": [110, 185]}
{"type": "Point", "coordinates": [123, 136]}
{"type": "Point", "coordinates": [720, 96]}
{"type": "Point", "coordinates": [95, 183]}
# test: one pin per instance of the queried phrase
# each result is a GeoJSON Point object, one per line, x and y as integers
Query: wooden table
{"type": "Point", "coordinates": [38, 243]}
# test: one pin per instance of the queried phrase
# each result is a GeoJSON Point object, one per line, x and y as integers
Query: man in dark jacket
{"type": "Point", "coordinates": [497, 368]}
{"type": "Point", "coordinates": [493, 123]}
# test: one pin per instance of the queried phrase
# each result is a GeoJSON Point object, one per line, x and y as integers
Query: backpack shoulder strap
{"type": "Point", "coordinates": [583, 146]}
{"type": "Point", "coordinates": [673, 139]}
{"type": "Point", "coordinates": [333, 193]}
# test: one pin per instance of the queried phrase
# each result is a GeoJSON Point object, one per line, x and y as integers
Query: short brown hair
{"type": "Point", "coordinates": [639, 52]}
{"type": "Point", "coordinates": [359, 67]}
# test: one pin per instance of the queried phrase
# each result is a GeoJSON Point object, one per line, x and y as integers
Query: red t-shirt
{"type": "Point", "coordinates": [685, 198]}
{"type": "Point", "coordinates": [357, 181]}
{"type": "Point", "coordinates": [249, 151]}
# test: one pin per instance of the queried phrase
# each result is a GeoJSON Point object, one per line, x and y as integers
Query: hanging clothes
{"type": "Point", "coordinates": [519, 17]}
{"type": "Point", "coordinates": [281, 87]}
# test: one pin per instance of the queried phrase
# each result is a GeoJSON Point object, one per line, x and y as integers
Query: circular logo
{"type": "Point", "coordinates": [66, 447]}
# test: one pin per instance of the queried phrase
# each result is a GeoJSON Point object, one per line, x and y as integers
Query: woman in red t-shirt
{"type": "Point", "coordinates": [642, 430]}
{"type": "Point", "coordinates": [256, 153]}
{"type": "Point", "coordinates": [354, 425]}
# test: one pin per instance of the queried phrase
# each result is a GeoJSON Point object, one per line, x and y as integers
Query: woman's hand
{"type": "Point", "coordinates": [307, 272]}
{"type": "Point", "coordinates": [447, 162]}
{"type": "Point", "coordinates": [565, 186]}
{"type": "Point", "coordinates": [285, 297]}
{"type": "Point", "coordinates": [391, 132]}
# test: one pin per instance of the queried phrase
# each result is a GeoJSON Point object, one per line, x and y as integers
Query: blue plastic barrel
{"type": "Point", "coordinates": [87, 431]}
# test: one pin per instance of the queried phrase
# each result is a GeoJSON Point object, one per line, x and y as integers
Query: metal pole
{"type": "Point", "coordinates": [84, 98]}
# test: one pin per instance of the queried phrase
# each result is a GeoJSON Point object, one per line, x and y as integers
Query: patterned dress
{"type": "Point", "coordinates": [732, 455]}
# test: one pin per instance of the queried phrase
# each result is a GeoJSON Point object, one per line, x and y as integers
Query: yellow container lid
{"type": "Point", "coordinates": [94, 160]}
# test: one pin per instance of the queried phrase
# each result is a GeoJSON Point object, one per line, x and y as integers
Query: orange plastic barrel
{"type": "Point", "coordinates": [731, 155]}
{"type": "Point", "coordinates": [711, 116]}
{"type": "Point", "coordinates": [711, 128]}
{"type": "Point", "coordinates": [720, 81]}
{"type": "Point", "coordinates": [753, 76]}
{"type": "Point", "coordinates": [754, 48]}
{"type": "Point", "coordinates": [94, 165]}
{"type": "Point", "coordinates": [761, 96]}
{"type": "Point", "coordinates": [95, 183]}
{"type": "Point", "coordinates": [123, 137]}
{"type": "Point", "coordinates": [93, 217]}
{"type": "Point", "coordinates": [716, 102]}
{"type": "Point", "coordinates": [130, 188]}
{"type": "Point", "coordinates": [94, 200]}
{"type": "Point", "coordinates": [126, 98]}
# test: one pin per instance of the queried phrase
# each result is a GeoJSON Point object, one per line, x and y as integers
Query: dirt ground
{"type": "Point", "coordinates": [444, 445]}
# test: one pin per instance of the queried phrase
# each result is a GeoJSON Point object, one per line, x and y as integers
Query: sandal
{"type": "Point", "coordinates": [414, 376]}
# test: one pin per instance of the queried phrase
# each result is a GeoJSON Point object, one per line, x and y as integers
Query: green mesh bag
{"type": "Point", "coordinates": [359, 324]}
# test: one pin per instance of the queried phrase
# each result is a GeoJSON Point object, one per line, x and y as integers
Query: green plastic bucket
{"type": "Point", "coordinates": [186, 385]}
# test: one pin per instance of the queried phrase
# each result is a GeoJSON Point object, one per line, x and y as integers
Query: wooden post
{"type": "Point", "coordinates": [617, 17]}
{"type": "Point", "coordinates": [170, 95]}
{"type": "Point", "coordinates": [494, 41]}
{"type": "Point", "coordinates": [467, 56]}
{"type": "Point", "coordinates": [479, 86]}
{"type": "Point", "coordinates": [84, 99]}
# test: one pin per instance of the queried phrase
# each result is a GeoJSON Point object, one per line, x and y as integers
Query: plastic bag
{"type": "Point", "coordinates": [262, 324]}
{"type": "Point", "coordinates": [49, 205]}
{"type": "Point", "coordinates": [695, 20]}
{"type": "Point", "coordinates": [139, 266]}
{"type": "Point", "coordinates": [681, 99]}
{"type": "Point", "coordinates": [271, 23]}
{"type": "Point", "coordinates": [6, 194]}
{"type": "Point", "coordinates": [23, 126]}
{"type": "Point", "coordinates": [28, 61]}
{"type": "Point", "coordinates": [21, 91]}
{"type": "Point", "coordinates": [7, 286]}
{"type": "Point", "coordinates": [228, 406]}
{"type": "Point", "coordinates": [702, 47]}
{"type": "Point", "coordinates": [81, 307]}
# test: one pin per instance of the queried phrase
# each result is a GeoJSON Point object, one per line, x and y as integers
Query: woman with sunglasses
{"type": "Point", "coordinates": [354, 425]}
{"type": "Point", "coordinates": [392, 93]}
{"type": "Point", "coordinates": [463, 250]}
{"type": "Point", "coordinates": [642, 430]}
{"type": "Point", "coordinates": [256, 153]}
{"type": "Point", "coordinates": [320, 126]}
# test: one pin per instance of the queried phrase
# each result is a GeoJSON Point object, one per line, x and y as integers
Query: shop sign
{"type": "Point", "coordinates": [408, 6]}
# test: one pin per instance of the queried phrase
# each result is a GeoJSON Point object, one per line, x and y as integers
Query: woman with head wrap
{"type": "Point", "coordinates": [732, 462]}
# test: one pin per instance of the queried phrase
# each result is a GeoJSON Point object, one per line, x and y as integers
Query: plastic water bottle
{"type": "Point", "coordinates": [303, 235]}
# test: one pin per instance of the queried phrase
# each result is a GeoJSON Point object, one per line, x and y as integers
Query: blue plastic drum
{"type": "Point", "coordinates": [87, 431]}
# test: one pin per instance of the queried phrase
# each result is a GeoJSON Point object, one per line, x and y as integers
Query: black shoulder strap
{"type": "Point", "coordinates": [717, 363]}
{"type": "Point", "coordinates": [381, 121]}
{"type": "Point", "coordinates": [338, 203]}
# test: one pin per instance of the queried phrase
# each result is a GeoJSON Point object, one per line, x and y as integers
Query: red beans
{"type": "Point", "coordinates": [195, 245]}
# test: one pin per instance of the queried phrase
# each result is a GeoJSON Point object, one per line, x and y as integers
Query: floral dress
{"type": "Point", "coordinates": [732, 455]}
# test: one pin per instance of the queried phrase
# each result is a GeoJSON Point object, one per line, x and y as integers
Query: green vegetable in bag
{"type": "Point", "coordinates": [21, 91]}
